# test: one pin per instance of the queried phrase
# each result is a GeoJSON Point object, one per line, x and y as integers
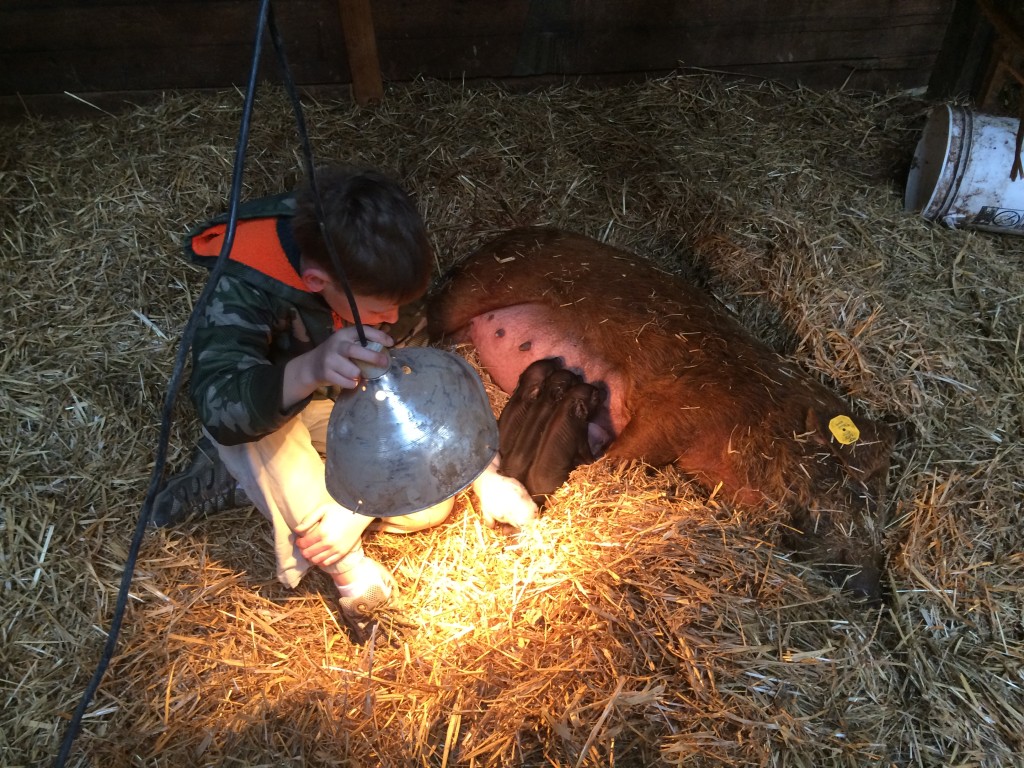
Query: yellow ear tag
{"type": "Point", "coordinates": [844, 430]}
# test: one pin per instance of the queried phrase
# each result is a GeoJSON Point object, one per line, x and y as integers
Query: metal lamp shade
{"type": "Point", "coordinates": [409, 436]}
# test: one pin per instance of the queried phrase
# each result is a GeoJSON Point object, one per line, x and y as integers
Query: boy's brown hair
{"type": "Point", "coordinates": [377, 233]}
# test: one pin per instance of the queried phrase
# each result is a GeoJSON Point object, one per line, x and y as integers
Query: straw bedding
{"type": "Point", "coordinates": [639, 623]}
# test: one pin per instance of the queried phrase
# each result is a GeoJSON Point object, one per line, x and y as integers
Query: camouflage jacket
{"type": "Point", "coordinates": [258, 318]}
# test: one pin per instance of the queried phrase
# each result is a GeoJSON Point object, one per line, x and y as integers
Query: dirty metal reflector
{"type": "Point", "coordinates": [410, 435]}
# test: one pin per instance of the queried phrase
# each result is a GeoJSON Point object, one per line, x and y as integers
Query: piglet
{"type": "Point", "coordinates": [517, 409]}
{"type": "Point", "coordinates": [516, 463]}
{"type": "Point", "coordinates": [564, 444]}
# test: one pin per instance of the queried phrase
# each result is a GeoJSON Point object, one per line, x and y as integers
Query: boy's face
{"type": "Point", "coordinates": [372, 310]}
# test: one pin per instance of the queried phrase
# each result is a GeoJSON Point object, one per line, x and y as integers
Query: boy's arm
{"type": "Point", "coordinates": [235, 386]}
{"type": "Point", "coordinates": [240, 391]}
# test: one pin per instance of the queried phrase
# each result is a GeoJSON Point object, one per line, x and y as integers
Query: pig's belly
{"type": "Point", "coordinates": [509, 339]}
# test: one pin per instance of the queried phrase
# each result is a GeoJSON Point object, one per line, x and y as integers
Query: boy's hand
{"type": "Point", "coordinates": [332, 364]}
{"type": "Point", "coordinates": [331, 539]}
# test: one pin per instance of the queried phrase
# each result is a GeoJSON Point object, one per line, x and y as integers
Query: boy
{"type": "Point", "coordinates": [276, 334]}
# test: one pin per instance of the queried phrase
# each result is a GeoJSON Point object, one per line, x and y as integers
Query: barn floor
{"type": "Point", "coordinates": [639, 623]}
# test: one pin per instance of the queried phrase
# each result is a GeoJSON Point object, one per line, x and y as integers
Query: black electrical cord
{"type": "Point", "coordinates": [265, 23]}
{"type": "Point", "coordinates": [307, 155]}
{"type": "Point", "coordinates": [74, 725]}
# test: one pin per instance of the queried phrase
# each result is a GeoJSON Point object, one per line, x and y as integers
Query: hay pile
{"type": "Point", "coordinates": [637, 625]}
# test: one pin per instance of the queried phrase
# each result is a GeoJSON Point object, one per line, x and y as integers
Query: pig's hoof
{"type": "Point", "coordinates": [504, 500]}
{"type": "Point", "coordinates": [518, 514]}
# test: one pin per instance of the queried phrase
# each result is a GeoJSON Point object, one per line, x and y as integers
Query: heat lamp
{"type": "Point", "coordinates": [410, 435]}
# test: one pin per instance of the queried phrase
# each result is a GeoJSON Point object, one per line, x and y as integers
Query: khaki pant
{"type": "Point", "coordinates": [283, 475]}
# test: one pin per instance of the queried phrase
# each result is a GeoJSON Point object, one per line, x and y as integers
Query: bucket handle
{"type": "Point", "coordinates": [1017, 169]}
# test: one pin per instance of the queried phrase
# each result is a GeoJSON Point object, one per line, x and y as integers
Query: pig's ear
{"type": "Point", "coordinates": [863, 446]}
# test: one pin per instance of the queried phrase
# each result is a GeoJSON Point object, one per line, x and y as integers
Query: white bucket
{"type": "Point", "coordinates": [960, 175]}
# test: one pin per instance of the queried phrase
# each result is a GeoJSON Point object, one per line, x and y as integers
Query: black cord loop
{"type": "Point", "coordinates": [264, 22]}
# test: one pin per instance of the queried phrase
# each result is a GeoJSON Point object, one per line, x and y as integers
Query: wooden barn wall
{"type": "Point", "coordinates": [110, 49]}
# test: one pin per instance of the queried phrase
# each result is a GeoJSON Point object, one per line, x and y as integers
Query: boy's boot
{"type": "Point", "coordinates": [203, 488]}
{"type": "Point", "coordinates": [368, 591]}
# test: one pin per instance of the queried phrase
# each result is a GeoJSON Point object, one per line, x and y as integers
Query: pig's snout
{"type": "Point", "coordinates": [842, 542]}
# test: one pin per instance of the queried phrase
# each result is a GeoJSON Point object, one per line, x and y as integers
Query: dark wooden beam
{"type": "Point", "coordinates": [962, 59]}
{"type": "Point", "coordinates": [361, 45]}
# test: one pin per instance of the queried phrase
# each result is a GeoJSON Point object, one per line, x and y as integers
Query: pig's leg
{"type": "Point", "coordinates": [503, 499]}
{"type": "Point", "coordinates": [516, 411]}
{"type": "Point", "coordinates": [650, 434]}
